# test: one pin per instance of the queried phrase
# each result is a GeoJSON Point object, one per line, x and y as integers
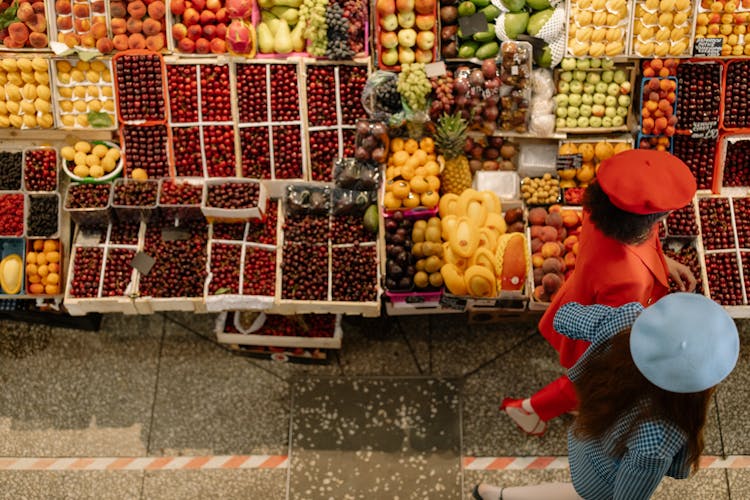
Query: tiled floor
{"type": "Point", "coordinates": [393, 416]}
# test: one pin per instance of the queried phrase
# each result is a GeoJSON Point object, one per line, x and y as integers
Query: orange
{"type": "Point", "coordinates": [586, 151]}
{"type": "Point", "coordinates": [621, 146]}
{"type": "Point", "coordinates": [604, 150]}
{"type": "Point", "coordinates": [400, 157]}
{"type": "Point", "coordinates": [38, 245]}
{"type": "Point", "coordinates": [427, 145]}
{"type": "Point", "coordinates": [432, 168]}
{"type": "Point", "coordinates": [657, 64]}
{"type": "Point", "coordinates": [410, 146]}
{"type": "Point", "coordinates": [397, 144]}
{"type": "Point", "coordinates": [568, 148]}
{"type": "Point", "coordinates": [50, 245]}
{"type": "Point", "coordinates": [420, 155]}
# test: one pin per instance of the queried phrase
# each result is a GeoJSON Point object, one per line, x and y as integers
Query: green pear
{"type": "Point", "coordinates": [538, 20]}
{"type": "Point", "coordinates": [273, 25]}
{"type": "Point", "coordinates": [288, 14]}
{"type": "Point", "coordinates": [265, 39]}
{"type": "Point", "coordinates": [282, 41]}
{"type": "Point", "coordinates": [298, 38]}
{"type": "Point", "coordinates": [515, 23]}
{"type": "Point", "coordinates": [514, 5]}
{"type": "Point", "coordinates": [538, 4]}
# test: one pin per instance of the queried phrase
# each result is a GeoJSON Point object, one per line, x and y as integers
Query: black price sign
{"type": "Point", "coordinates": [707, 47]}
{"type": "Point", "coordinates": [453, 302]}
{"type": "Point", "coordinates": [704, 130]}
{"type": "Point", "coordinates": [474, 24]}
{"type": "Point", "coordinates": [565, 162]}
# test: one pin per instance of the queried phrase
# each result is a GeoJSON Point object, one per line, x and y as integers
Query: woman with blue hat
{"type": "Point", "coordinates": [643, 385]}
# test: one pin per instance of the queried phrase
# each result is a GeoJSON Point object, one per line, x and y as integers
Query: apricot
{"type": "Point", "coordinates": [119, 26]}
{"type": "Point", "coordinates": [570, 260]}
{"type": "Point", "coordinates": [550, 249]}
{"type": "Point", "coordinates": [88, 40]}
{"type": "Point", "coordinates": [137, 10]}
{"type": "Point", "coordinates": [38, 40]}
{"type": "Point", "coordinates": [137, 41]}
{"type": "Point", "coordinates": [569, 242]}
{"type": "Point", "coordinates": [63, 7]}
{"type": "Point", "coordinates": [155, 42]}
{"type": "Point", "coordinates": [117, 9]}
{"type": "Point", "coordinates": [151, 27]}
{"type": "Point", "coordinates": [81, 10]}
{"type": "Point", "coordinates": [537, 260]}
{"type": "Point", "coordinates": [120, 41]}
{"type": "Point", "coordinates": [25, 12]}
{"type": "Point", "coordinates": [70, 39]}
{"type": "Point", "coordinates": [99, 30]}
{"type": "Point", "coordinates": [134, 25]}
{"type": "Point", "coordinates": [157, 9]}
{"type": "Point", "coordinates": [570, 218]}
{"type": "Point", "coordinates": [64, 23]}
{"type": "Point", "coordinates": [18, 32]}
{"type": "Point", "coordinates": [179, 31]}
{"type": "Point", "coordinates": [82, 26]}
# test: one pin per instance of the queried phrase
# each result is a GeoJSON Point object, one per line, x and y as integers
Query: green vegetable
{"type": "Point", "coordinates": [514, 5]}
{"type": "Point", "coordinates": [485, 36]}
{"type": "Point", "coordinates": [490, 13]}
{"type": "Point", "coordinates": [488, 50]}
{"type": "Point", "coordinates": [466, 9]}
{"type": "Point", "coordinates": [8, 16]}
{"type": "Point", "coordinates": [99, 119]}
{"type": "Point", "coordinates": [371, 218]}
{"type": "Point", "coordinates": [467, 49]}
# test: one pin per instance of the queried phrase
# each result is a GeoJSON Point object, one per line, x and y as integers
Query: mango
{"type": "Point", "coordinates": [11, 274]}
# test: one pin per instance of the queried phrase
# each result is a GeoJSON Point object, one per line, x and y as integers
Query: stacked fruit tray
{"type": "Point", "coordinates": [733, 162]}
{"type": "Point", "coordinates": [201, 119]}
{"type": "Point", "coordinates": [725, 249]}
{"type": "Point", "coordinates": [242, 264]}
{"type": "Point", "coordinates": [270, 121]}
{"type": "Point", "coordinates": [100, 277]}
{"type": "Point", "coordinates": [26, 101]}
{"type": "Point", "coordinates": [86, 24]}
{"type": "Point", "coordinates": [662, 28]}
{"type": "Point", "coordinates": [84, 92]}
{"type": "Point", "coordinates": [598, 28]}
{"type": "Point", "coordinates": [725, 20]}
{"type": "Point", "coordinates": [27, 30]}
{"type": "Point", "coordinates": [139, 25]}
{"type": "Point", "coordinates": [332, 93]}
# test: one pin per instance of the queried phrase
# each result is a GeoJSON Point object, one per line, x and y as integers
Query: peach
{"type": "Point", "coordinates": [537, 260]}
{"type": "Point", "coordinates": [199, 5]}
{"type": "Point", "coordinates": [64, 23]}
{"type": "Point", "coordinates": [104, 45]}
{"type": "Point", "coordinates": [134, 25]}
{"type": "Point", "coordinates": [555, 208]}
{"type": "Point", "coordinates": [222, 15]}
{"type": "Point", "coordinates": [552, 282]}
{"type": "Point", "coordinates": [82, 25]}
{"type": "Point", "coordinates": [194, 32]}
{"type": "Point", "coordinates": [186, 45]}
{"type": "Point", "coordinates": [570, 260]}
{"type": "Point", "coordinates": [550, 249]}
{"type": "Point", "coordinates": [221, 31]}
{"type": "Point", "coordinates": [218, 46]}
{"type": "Point", "coordinates": [99, 30]}
{"type": "Point", "coordinates": [12, 44]}
{"type": "Point", "coordinates": [202, 46]}
{"type": "Point", "coordinates": [179, 31]}
{"type": "Point", "coordinates": [155, 42]}
{"type": "Point", "coordinates": [88, 40]}
{"type": "Point", "coordinates": [536, 244]}
{"type": "Point", "coordinates": [575, 248]}
{"type": "Point", "coordinates": [38, 7]}
{"type": "Point", "coordinates": [137, 41]}
{"type": "Point", "coordinates": [207, 17]}
{"type": "Point", "coordinates": [569, 242]}
{"type": "Point", "coordinates": [157, 9]}
{"type": "Point", "coordinates": [570, 218]}
{"type": "Point", "coordinates": [562, 233]}
{"type": "Point", "coordinates": [538, 275]}
{"type": "Point", "coordinates": [213, 5]}
{"type": "Point", "coordinates": [38, 24]}
{"type": "Point", "coordinates": [38, 40]}
{"type": "Point", "coordinates": [554, 219]}
{"type": "Point", "coordinates": [120, 42]}
{"type": "Point", "coordinates": [98, 6]}
{"type": "Point", "coordinates": [177, 7]}
{"type": "Point", "coordinates": [70, 39]}
{"type": "Point", "coordinates": [18, 32]}
{"type": "Point", "coordinates": [119, 26]}
{"type": "Point", "coordinates": [553, 265]}
{"type": "Point", "coordinates": [117, 9]}
{"type": "Point", "coordinates": [191, 16]}
{"type": "Point", "coordinates": [81, 10]}
{"type": "Point", "coordinates": [209, 31]}
{"type": "Point", "coordinates": [540, 295]}
{"type": "Point", "coordinates": [537, 216]}
{"type": "Point", "coordinates": [63, 7]}
{"type": "Point", "coordinates": [25, 12]}
{"type": "Point", "coordinates": [151, 27]}
{"type": "Point", "coordinates": [137, 10]}
{"type": "Point", "coordinates": [548, 233]}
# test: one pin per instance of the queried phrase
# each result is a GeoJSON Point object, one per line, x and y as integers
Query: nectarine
{"type": "Point", "coordinates": [119, 26]}
{"type": "Point", "coordinates": [179, 31]}
{"type": "Point", "coordinates": [137, 10]}
{"type": "Point", "coordinates": [64, 23]}
{"type": "Point", "coordinates": [137, 41]}
{"type": "Point", "coordinates": [202, 46]}
{"type": "Point", "coordinates": [177, 7]}
{"type": "Point", "coordinates": [120, 42]}
{"type": "Point", "coordinates": [550, 249]}
{"type": "Point", "coordinates": [134, 25]}
{"type": "Point", "coordinates": [548, 233]}
{"type": "Point", "coordinates": [18, 32]}
{"type": "Point", "coordinates": [117, 9]}
{"type": "Point", "coordinates": [218, 46]}
{"type": "Point", "coordinates": [38, 23]}
{"type": "Point", "coordinates": [104, 45]}
{"type": "Point", "coordinates": [186, 45]}
{"type": "Point", "coordinates": [38, 40]}
{"type": "Point", "coordinates": [156, 9]}
{"type": "Point", "coordinates": [81, 10]}
{"type": "Point", "coordinates": [25, 12]}
{"type": "Point", "coordinates": [151, 27]}
{"type": "Point", "coordinates": [194, 32]}
{"type": "Point", "coordinates": [63, 7]}
{"type": "Point", "coordinates": [155, 42]}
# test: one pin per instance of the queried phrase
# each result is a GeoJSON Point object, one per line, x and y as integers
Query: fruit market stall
{"type": "Point", "coordinates": [296, 158]}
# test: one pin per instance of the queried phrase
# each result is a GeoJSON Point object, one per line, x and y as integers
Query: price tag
{"type": "Point", "coordinates": [569, 161]}
{"type": "Point", "coordinates": [414, 299]}
{"type": "Point", "coordinates": [453, 302]}
{"type": "Point", "coordinates": [707, 47]}
{"type": "Point", "coordinates": [704, 130]}
{"type": "Point", "coordinates": [88, 238]}
{"type": "Point", "coordinates": [473, 24]}
{"type": "Point", "coordinates": [143, 262]}
{"type": "Point", "coordinates": [435, 69]}
{"type": "Point", "coordinates": [174, 234]}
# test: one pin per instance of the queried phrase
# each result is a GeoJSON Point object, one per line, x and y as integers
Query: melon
{"type": "Point", "coordinates": [511, 261]}
{"type": "Point", "coordinates": [11, 274]}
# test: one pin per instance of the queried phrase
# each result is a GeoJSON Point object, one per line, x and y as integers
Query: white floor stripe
{"type": "Point", "coordinates": [62, 464]}
{"type": "Point", "coordinates": [177, 463]}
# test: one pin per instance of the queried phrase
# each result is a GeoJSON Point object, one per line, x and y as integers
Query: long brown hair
{"type": "Point", "coordinates": [611, 385]}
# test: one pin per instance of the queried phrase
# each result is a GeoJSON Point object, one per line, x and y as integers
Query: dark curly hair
{"type": "Point", "coordinates": [626, 227]}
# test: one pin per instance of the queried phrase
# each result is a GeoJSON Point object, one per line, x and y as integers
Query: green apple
{"type": "Point", "coordinates": [612, 89]}
{"type": "Point", "coordinates": [389, 22]}
{"type": "Point", "coordinates": [583, 122]}
{"type": "Point", "coordinates": [568, 64]}
{"type": "Point", "coordinates": [406, 55]}
{"type": "Point", "coordinates": [599, 98]}
{"type": "Point", "coordinates": [618, 121]}
{"type": "Point", "coordinates": [625, 87]}
{"type": "Point", "coordinates": [571, 122]}
{"type": "Point", "coordinates": [593, 77]}
{"type": "Point", "coordinates": [610, 111]}
{"type": "Point", "coordinates": [608, 76]}
{"type": "Point", "coordinates": [560, 123]}
{"type": "Point", "coordinates": [595, 121]}
{"type": "Point", "coordinates": [597, 110]}
{"type": "Point", "coordinates": [601, 88]}
{"type": "Point", "coordinates": [596, 63]}
{"type": "Point", "coordinates": [563, 87]}
{"type": "Point", "coordinates": [561, 99]}
{"type": "Point", "coordinates": [561, 112]}
{"type": "Point", "coordinates": [610, 100]}
{"type": "Point", "coordinates": [566, 76]}
{"type": "Point", "coordinates": [623, 100]}
{"type": "Point", "coordinates": [607, 122]}
{"type": "Point", "coordinates": [583, 63]}
{"type": "Point", "coordinates": [585, 110]}
{"type": "Point", "coordinates": [574, 100]}
{"type": "Point", "coordinates": [622, 111]}
{"type": "Point", "coordinates": [619, 76]}
{"type": "Point", "coordinates": [573, 112]}
{"type": "Point", "coordinates": [579, 75]}
{"type": "Point", "coordinates": [608, 63]}
{"type": "Point", "coordinates": [588, 88]}
{"type": "Point", "coordinates": [576, 87]}
{"type": "Point", "coordinates": [390, 57]}
{"type": "Point", "coordinates": [587, 99]}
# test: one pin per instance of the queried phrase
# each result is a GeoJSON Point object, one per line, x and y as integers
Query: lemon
{"type": "Point", "coordinates": [41, 105]}
{"type": "Point", "coordinates": [109, 105]}
{"type": "Point", "coordinates": [139, 174]}
{"type": "Point", "coordinates": [25, 65]}
{"type": "Point", "coordinates": [80, 92]}
{"type": "Point", "coordinates": [98, 66]}
{"type": "Point", "coordinates": [106, 76]}
{"type": "Point", "coordinates": [29, 121]}
{"type": "Point", "coordinates": [27, 108]}
{"type": "Point", "coordinates": [83, 147]}
{"type": "Point", "coordinates": [95, 105]}
{"type": "Point", "coordinates": [77, 76]}
{"type": "Point", "coordinates": [92, 160]}
{"type": "Point", "coordinates": [113, 153]}
{"type": "Point", "coordinates": [46, 120]}
{"type": "Point", "coordinates": [108, 164]}
{"type": "Point", "coordinates": [68, 153]}
{"type": "Point", "coordinates": [66, 106]}
{"type": "Point", "coordinates": [107, 91]}
{"type": "Point", "coordinates": [92, 76]}
{"type": "Point", "coordinates": [10, 64]}
{"type": "Point", "coordinates": [68, 121]}
{"type": "Point", "coordinates": [96, 171]}
{"type": "Point", "coordinates": [41, 77]}
{"type": "Point", "coordinates": [13, 107]}
{"type": "Point", "coordinates": [81, 171]}
{"type": "Point", "coordinates": [64, 91]}
{"type": "Point", "coordinates": [38, 63]}
{"type": "Point", "coordinates": [82, 120]}
{"type": "Point", "coordinates": [92, 91]}
{"type": "Point", "coordinates": [80, 106]}
{"type": "Point", "coordinates": [63, 78]}
{"type": "Point", "coordinates": [83, 65]}
{"type": "Point", "coordinates": [79, 158]}
{"type": "Point", "coordinates": [63, 66]}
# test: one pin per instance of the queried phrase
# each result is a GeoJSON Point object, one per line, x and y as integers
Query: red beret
{"type": "Point", "coordinates": [646, 181]}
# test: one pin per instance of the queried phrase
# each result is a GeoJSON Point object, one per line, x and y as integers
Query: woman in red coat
{"type": "Point", "coordinates": [619, 260]}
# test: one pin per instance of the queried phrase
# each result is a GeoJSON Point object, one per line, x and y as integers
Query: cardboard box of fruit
{"type": "Point", "coordinates": [598, 28]}
{"type": "Point", "coordinates": [731, 168]}
{"type": "Point", "coordinates": [85, 94]}
{"type": "Point", "coordinates": [87, 24]}
{"type": "Point", "coordinates": [594, 96]}
{"type": "Point", "coordinates": [406, 31]}
{"type": "Point", "coordinates": [27, 26]}
{"type": "Point", "coordinates": [662, 28]}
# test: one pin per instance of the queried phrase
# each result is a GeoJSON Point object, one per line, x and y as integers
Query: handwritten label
{"type": "Point", "coordinates": [87, 238]}
{"type": "Point", "coordinates": [414, 299]}
{"type": "Point", "coordinates": [708, 47]}
{"type": "Point", "coordinates": [143, 262]}
{"type": "Point", "coordinates": [565, 162]}
{"type": "Point", "coordinates": [453, 302]}
{"type": "Point", "coordinates": [474, 24]}
{"type": "Point", "coordinates": [173, 234]}
{"type": "Point", "coordinates": [704, 130]}
{"type": "Point", "coordinates": [435, 69]}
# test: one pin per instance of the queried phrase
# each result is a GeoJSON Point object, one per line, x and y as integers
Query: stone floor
{"type": "Point", "coordinates": [399, 412]}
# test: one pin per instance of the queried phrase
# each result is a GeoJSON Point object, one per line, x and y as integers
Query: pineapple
{"type": "Point", "coordinates": [450, 139]}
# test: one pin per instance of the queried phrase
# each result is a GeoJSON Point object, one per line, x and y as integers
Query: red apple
{"type": "Point", "coordinates": [218, 46]}
{"type": "Point", "coordinates": [186, 45]}
{"type": "Point", "coordinates": [405, 5]}
{"type": "Point", "coordinates": [425, 22]}
{"type": "Point", "coordinates": [388, 39]}
{"type": "Point", "coordinates": [199, 5]}
{"type": "Point", "coordinates": [179, 31]}
{"type": "Point", "coordinates": [177, 7]}
{"type": "Point", "coordinates": [222, 15]}
{"type": "Point", "coordinates": [213, 5]}
{"type": "Point", "coordinates": [191, 16]}
{"type": "Point", "coordinates": [207, 17]}
{"type": "Point", "coordinates": [202, 46]}
{"type": "Point", "coordinates": [424, 6]}
{"type": "Point", "coordinates": [221, 31]}
{"type": "Point", "coordinates": [194, 32]}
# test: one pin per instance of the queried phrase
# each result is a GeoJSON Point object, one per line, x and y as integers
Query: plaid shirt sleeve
{"type": "Point", "coordinates": [639, 475]}
{"type": "Point", "coordinates": [595, 323]}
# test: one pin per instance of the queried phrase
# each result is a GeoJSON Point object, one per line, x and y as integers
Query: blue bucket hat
{"type": "Point", "coordinates": [684, 343]}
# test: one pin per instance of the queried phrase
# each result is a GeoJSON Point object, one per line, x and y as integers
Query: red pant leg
{"type": "Point", "coordinates": [554, 399]}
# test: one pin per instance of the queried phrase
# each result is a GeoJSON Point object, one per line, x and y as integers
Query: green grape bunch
{"type": "Point", "coordinates": [414, 86]}
{"type": "Point", "coordinates": [313, 12]}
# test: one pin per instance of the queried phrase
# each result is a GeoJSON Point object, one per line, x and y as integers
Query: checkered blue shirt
{"type": "Point", "coordinates": [656, 448]}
